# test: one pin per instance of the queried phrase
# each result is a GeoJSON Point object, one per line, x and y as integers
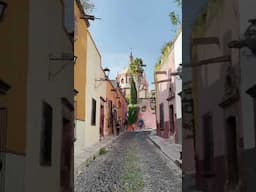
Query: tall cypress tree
{"type": "Point", "coordinates": [133, 92]}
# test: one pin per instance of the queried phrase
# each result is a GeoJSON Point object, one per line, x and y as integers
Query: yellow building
{"type": "Point", "coordinates": [80, 51]}
{"type": "Point", "coordinates": [35, 106]}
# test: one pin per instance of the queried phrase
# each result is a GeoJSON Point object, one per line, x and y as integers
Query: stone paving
{"type": "Point", "coordinates": [84, 156]}
{"type": "Point", "coordinates": [132, 164]}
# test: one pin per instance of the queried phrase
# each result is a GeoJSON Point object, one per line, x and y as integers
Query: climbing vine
{"type": "Point", "coordinates": [88, 6]}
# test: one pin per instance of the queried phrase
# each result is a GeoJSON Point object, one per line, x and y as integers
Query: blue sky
{"type": "Point", "coordinates": [140, 25]}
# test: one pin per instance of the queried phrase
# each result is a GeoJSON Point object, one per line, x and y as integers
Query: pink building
{"type": "Point", "coordinates": [217, 103]}
{"type": "Point", "coordinates": [165, 97]}
{"type": "Point", "coordinates": [147, 114]}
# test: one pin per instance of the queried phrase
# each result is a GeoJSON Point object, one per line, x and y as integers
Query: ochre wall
{"type": "Point", "coordinates": [13, 70]}
{"type": "Point", "coordinates": [80, 49]}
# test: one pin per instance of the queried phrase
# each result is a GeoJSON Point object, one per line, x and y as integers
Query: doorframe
{"type": "Point", "coordinates": [68, 114]}
{"type": "Point", "coordinates": [231, 108]}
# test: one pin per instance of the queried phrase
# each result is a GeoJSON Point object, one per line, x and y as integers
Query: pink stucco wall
{"type": "Point", "coordinates": [163, 90]}
{"type": "Point", "coordinates": [149, 119]}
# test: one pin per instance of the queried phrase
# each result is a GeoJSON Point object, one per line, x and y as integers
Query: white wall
{"type": "Point", "coordinates": [178, 81]}
{"type": "Point", "coordinates": [79, 135]}
{"type": "Point", "coordinates": [14, 171]}
{"type": "Point", "coordinates": [46, 37]}
{"type": "Point", "coordinates": [94, 89]}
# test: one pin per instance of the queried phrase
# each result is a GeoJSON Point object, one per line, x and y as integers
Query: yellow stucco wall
{"type": "Point", "coordinates": [13, 70]}
{"type": "Point", "coordinates": [80, 49]}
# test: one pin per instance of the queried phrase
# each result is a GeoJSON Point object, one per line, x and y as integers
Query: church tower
{"type": "Point", "coordinates": [131, 58]}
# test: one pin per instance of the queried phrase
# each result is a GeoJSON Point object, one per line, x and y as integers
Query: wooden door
{"type": "Point", "coordinates": [171, 116]}
{"type": "Point", "coordinates": [66, 155]}
{"type": "Point", "coordinates": [101, 120]}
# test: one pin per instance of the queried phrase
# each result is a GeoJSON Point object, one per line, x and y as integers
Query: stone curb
{"type": "Point", "coordinates": [177, 162]}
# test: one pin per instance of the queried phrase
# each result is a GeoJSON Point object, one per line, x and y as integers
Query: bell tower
{"type": "Point", "coordinates": [131, 57]}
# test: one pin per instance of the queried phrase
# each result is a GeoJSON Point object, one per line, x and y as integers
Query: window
{"type": "Point", "coordinates": [161, 109]}
{"type": "Point", "coordinates": [208, 144]}
{"type": "Point", "coordinates": [110, 114]}
{"type": "Point", "coordinates": [46, 136]}
{"type": "Point", "coordinates": [93, 114]}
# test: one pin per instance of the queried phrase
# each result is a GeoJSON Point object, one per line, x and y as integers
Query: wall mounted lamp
{"type": "Point", "coordinates": [177, 73]}
{"type": "Point", "coordinates": [63, 58]}
{"type": "Point", "coordinates": [89, 17]}
{"type": "Point", "coordinates": [3, 7]}
{"type": "Point", "coordinates": [249, 39]}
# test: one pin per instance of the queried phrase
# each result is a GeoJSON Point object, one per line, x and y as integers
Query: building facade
{"type": "Point", "coordinates": [247, 93]}
{"type": "Point", "coordinates": [37, 112]}
{"type": "Point", "coordinates": [168, 103]}
{"type": "Point", "coordinates": [80, 51]}
{"type": "Point", "coordinates": [95, 94]}
{"type": "Point", "coordinates": [217, 103]}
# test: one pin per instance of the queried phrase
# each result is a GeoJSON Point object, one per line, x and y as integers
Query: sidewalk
{"type": "Point", "coordinates": [189, 183]}
{"type": "Point", "coordinates": [83, 156]}
{"type": "Point", "coordinates": [171, 150]}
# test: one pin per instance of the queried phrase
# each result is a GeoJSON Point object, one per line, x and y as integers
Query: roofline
{"type": "Point", "coordinates": [94, 45]}
{"type": "Point", "coordinates": [80, 7]}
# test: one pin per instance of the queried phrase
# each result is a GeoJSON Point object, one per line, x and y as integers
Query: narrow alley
{"type": "Point", "coordinates": [131, 163]}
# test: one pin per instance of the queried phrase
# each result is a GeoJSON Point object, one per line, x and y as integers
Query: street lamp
{"type": "Point", "coordinates": [106, 71]}
{"type": "Point", "coordinates": [249, 39]}
{"type": "Point", "coordinates": [3, 7]}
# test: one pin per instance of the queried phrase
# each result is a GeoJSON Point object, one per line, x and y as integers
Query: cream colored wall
{"type": "Point", "coordinates": [46, 36]}
{"type": "Point", "coordinates": [95, 89]}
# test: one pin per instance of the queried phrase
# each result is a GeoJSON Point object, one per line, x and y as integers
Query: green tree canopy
{"type": "Point", "coordinates": [136, 66]}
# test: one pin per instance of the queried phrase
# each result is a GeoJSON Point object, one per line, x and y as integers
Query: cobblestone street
{"type": "Point", "coordinates": [131, 164]}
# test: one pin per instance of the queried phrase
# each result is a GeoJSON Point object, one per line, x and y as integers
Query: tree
{"type": "Point", "coordinates": [133, 108]}
{"type": "Point", "coordinates": [136, 66]}
{"type": "Point", "coordinates": [174, 15]}
{"type": "Point", "coordinates": [133, 92]}
{"type": "Point", "coordinates": [88, 6]}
